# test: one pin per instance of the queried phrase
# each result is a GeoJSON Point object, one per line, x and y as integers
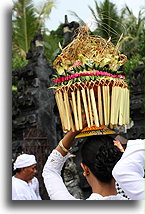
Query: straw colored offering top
{"type": "Point", "coordinates": [89, 50]}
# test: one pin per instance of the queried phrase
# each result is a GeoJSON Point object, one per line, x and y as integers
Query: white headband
{"type": "Point", "coordinates": [24, 160]}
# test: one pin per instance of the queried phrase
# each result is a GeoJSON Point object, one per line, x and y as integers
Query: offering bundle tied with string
{"type": "Point", "coordinates": [88, 80]}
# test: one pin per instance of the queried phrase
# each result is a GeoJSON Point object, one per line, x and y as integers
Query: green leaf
{"type": "Point", "coordinates": [92, 77]}
{"type": "Point", "coordinates": [87, 78]}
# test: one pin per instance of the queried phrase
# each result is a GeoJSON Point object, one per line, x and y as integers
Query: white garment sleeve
{"type": "Point", "coordinates": [129, 170]}
{"type": "Point", "coordinates": [52, 177]}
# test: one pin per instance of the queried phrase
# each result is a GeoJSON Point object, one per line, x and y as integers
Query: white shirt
{"type": "Point", "coordinates": [54, 183]}
{"type": "Point", "coordinates": [21, 190]}
{"type": "Point", "coordinates": [35, 186]}
{"type": "Point", "coordinates": [129, 170]}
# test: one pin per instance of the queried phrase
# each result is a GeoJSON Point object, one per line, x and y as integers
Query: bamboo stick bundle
{"type": "Point", "coordinates": [127, 106]}
{"type": "Point", "coordinates": [124, 106]}
{"type": "Point", "coordinates": [105, 105]}
{"type": "Point", "coordinates": [61, 108]}
{"type": "Point", "coordinates": [90, 107]}
{"type": "Point", "coordinates": [75, 110]}
{"type": "Point", "coordinates": [121, 111]}
{"type": "Point", "coordinates": [79, 109]}
{"type": "Point", "coordinates": [108, 102]}
{"type": "Point", "coordinates": [112, 106]}
{"type": "Point", "coordinates": [70, 109]}
{"type": "Point", "coordinates": [85, 107]}
{"type": "Point", "coordinates": [117, 104]}
{"type": "Point", "coordinates": [67, 110]}
{"type": "Point", "coordinates": [71, 118]}
{"type": "Point", "coordinates": [96, 120]}
{"type": "Point", "coordinates": [100, 109]}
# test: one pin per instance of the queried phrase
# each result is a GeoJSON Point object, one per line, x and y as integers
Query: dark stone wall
{"type": "Point", "coordinates": [136, 79]}
{"type": "Point", "coordinates": [34, 103]}
{"type": "Point", "coordinates": [35, 119]}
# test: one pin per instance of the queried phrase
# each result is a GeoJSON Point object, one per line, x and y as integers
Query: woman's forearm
{"type": "Point", "coordinates": [67, 142]}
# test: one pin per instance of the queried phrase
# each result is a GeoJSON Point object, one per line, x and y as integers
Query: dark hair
{"type": "Point", "coordinates": [100, 155]}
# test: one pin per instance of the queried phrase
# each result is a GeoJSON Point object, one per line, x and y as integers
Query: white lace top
{"type": "Point", "coordinates": [54, 183]}
{"type": "Point", "coordinates": [129, 170]}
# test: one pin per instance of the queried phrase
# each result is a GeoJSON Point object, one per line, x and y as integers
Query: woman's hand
{"type": "Point", "coordinates": [68, 139]}
{"type": "Point", "coordinates": [118, 144]}
{"type": "Point", "coordinates": [67, 142]}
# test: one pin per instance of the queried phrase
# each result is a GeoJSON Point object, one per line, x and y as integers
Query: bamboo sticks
{"type": "Point", "coordinates": [128, 107]}
{"type": "Point", "coordinates": [112, 106]}
{"type": "Point", "coordinates": [90, 107]}
{"type": "Point", "coordinates": [121, 110]}
{"type": "Point", "coordinates": [79, 109]}
{"type": "Point", "coordinates": [68, 112]}
{"type": "Point", "coordinates": [117, 104]}
{"type": "Point", "coordinates": [85, 107]}
{"type": "Point", "coordinates": [75, 110]}
{"type": "Point", "coordinates": [100, 108]}
{"type": "Point", "coordinates": [102, 104]}
{"type": "Point", "coordinates": [96, 120]}
{"type": "Point", "coordinates": [61, 108]}
{"type": "Point", "coordinates": [106, 103]}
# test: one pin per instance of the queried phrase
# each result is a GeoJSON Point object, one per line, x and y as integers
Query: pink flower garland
{"type": "Point", "coordinates": [95, 73]}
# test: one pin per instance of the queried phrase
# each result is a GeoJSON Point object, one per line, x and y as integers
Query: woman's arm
{"type": "Point", "coordinates": [66, 142]}
{"type": "Point", "coordinates": [129, 171]}
{"type": "Point", "coordinates": [52, 170]}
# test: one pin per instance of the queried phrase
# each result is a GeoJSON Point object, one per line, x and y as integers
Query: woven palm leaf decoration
{"type": "Point", "coordinates": [88, 80]}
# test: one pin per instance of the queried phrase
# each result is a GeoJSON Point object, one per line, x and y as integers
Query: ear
{"type": "Point", "coordinates": [85, 168]}
{"type": "Point", "coordinates": [82, 165]}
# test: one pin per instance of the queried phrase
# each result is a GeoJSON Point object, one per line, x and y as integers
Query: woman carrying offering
{"type": "Point", "coordinates": [99, 156]}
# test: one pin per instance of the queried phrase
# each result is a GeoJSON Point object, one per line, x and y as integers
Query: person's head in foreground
{"type": "Point", "coordinates": [25, 167]}
{"type": "Point", "coordinates": [99, 156]}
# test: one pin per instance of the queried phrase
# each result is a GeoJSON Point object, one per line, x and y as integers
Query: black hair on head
{"type": "Point", "coordinates": [100, 155]}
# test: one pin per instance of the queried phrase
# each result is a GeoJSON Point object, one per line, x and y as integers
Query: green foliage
{"type": "Point", "coordinates": [133, 39]}
{"type": "Point", "coordinates": [14, 89]}
{"type": "Point", "coordinates": [109, 23]}
{"type": "Point", "coordinates": [107, 20]}
{"type": "Point", "coordinates": [26, 22]}
{"type": "Point", "coordinates": [18, 62]}
{"type": "Point", "coordinates": [24, 26]}
{"type": "Point", "coordinates": [131, 65]}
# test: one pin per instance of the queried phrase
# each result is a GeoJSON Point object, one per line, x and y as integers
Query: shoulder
{"type": "Point", "coordinates": [136, 144]}
{"type": "Point", "coordinates": [18, 183]}
{"type": "Point", "coordinates": [95, 196]}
